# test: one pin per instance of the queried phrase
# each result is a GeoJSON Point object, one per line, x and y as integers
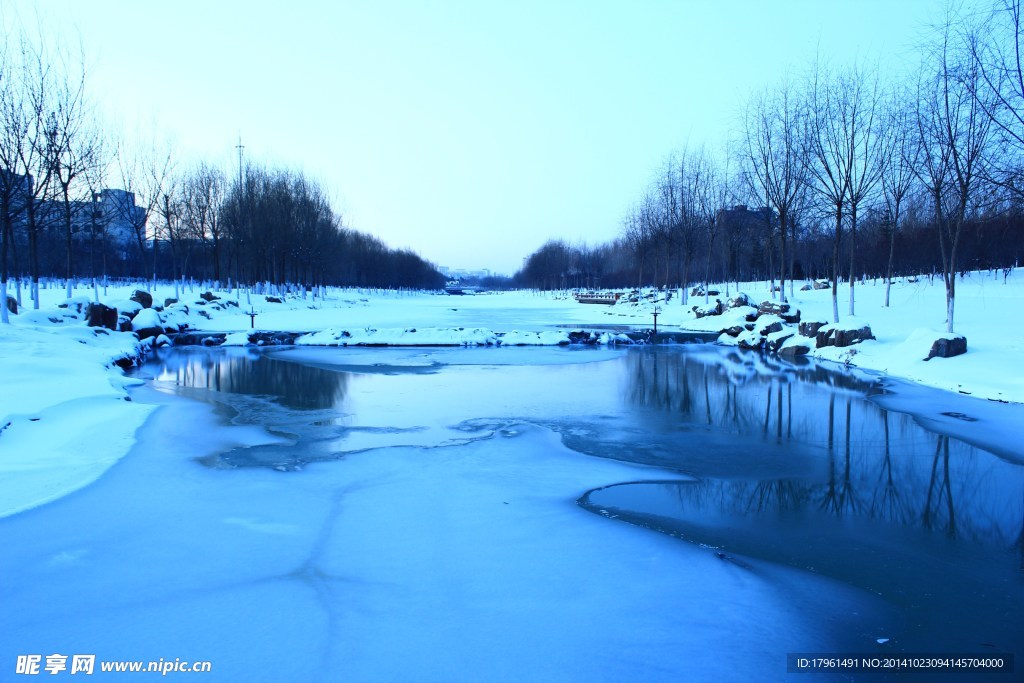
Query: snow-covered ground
{"type": "Point", "coordinates": [62, 393]}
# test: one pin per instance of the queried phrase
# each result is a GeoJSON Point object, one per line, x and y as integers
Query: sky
{"type": "Point", "coordinates": [471, 132]}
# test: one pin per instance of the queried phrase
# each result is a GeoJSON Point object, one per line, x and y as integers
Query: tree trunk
{"type": "Point", "coordinates": [835, 264]}
{"type": "Point", "coordinates": [853, 250]}
{"type": "Point", "coordinates": [888, 270]}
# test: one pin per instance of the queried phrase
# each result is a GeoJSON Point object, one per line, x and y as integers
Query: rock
{"type": "Point", "coordinates": [208, 296]}
{"type": "Point", "coordinates": [946, 347]}
{"type": "Point", "coordinates": [772, 308]}
{"type": "Point", "coordinates": [792, 317]}
{"type": "Point", "coordinates": [810, 328]}
{"type": "Point", "coordinates": [830, 336]}
{"type": "Point", "coordinates": [170, 300]}
{"type": "Point", "coordinates": [142, 297]}
{"type": "Point", "coordinates": [770, 328]}
{"type": "Point", "coordinates": [734, 331]}
{"type": "Point", "coordinates": [274, 338]}
{"type": "Point", "coordinates": [124, 323]}
{"type": "Point", "coordinates": [161, 340]}
{"type": "Point", "coordinates": [709, 309]}
{"type": "Point", "coordinates": [147, 323]}
{"type": "Point", "coordinates": [77, 304]}
{"type": "Point", "coordinates": [850, 337]}
{"type": "Point", "coordinates": [274, 300]}
{"type": "Point", "coordinates": [795, 349]}
{"type": "Point", "coordinates": [751, 342]}
{"type": "Point", "coordinates": [12, 305]}
{"type": "Point", "coordinates": [775, 342]}
{"type": "Point", "coordinates": [740, 299]}
{"type": "Point", "coordinates": [147, 317]}
{"type": "Point", "coordinates": [100, 315]}
{"type": "Point", "coordinates": [821, 285]}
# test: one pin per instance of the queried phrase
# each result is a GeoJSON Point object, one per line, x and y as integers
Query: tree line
{"type": "Point", "coordinates": [838, 175]}
{"type": "Point", "coordinates": [60, 218]}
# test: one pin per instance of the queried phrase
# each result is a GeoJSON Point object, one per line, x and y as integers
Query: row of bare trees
{"type": "Point", "coordinates": [172, 220]}
{"type": "Point", "coordinates": [835, 151]}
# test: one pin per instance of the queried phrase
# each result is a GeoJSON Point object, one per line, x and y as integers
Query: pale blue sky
{"type": "Point", "coordinates": [469, 131]}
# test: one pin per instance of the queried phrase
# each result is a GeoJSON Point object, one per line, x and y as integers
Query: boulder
{"type": "Point", "coordinates": [775, 342]}
{"type": "Point", "coordinates": [208, 296]}
{"type": "Point", "coordinates": [274, 300]}
{"type": "Point", "coordinates": [751, 342]}
{"type": "Point", "coordinates": [792, 317]}
{"type": "Point", "coordinates": [708, 309]}
{"type": "Point", "coordinates": [77, 304]}
{"type": "Point", "coordinates": [734, 331]}
{"type": "Point", "coordinates": [12, 305]}
{"type": "Point", "coordinates": [170, 300]}
{"type": "Point", "coordinates": [740, 299]}
{"type": "Point", "coordinates": [100, 315]}
{"type": "Point", "coordinates": [142, 297]}
{"type": "Point", "coordinates": [793, 350]}
{"type": "Point", "coordinates": [947, 347]}
{"type": "Point", "coordinates": [147, 323]}
{"type": "Point", "coordinates": [772, 308]}
{"type": "Point", "coordinates": [850, 337]}
{"type": "Point", "coordinates": [821, 285]}
{"type": "Point", "coordinates": [124, 323]}
{"type": "Point", "coordinates": [768, 325]}
{"type": "Point", "coordinates": [809, 328]}
{"type": "Point", "coordinates": [830, 336]}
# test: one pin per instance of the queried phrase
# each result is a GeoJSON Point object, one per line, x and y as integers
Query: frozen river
{"type": "Point", "coordinates": [656, 514]}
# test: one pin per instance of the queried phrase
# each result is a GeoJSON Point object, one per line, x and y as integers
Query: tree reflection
{"type": "Point", "coordinates": [292, 385]}
{"type": "Point", "coordinates": [885, 467]}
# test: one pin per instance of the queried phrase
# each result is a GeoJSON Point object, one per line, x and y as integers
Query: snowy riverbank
{"type": "Point", "coordinates": [66, 419]}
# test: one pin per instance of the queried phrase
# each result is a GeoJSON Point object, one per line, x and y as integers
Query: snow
{"type": "Point", "coordinates": [388, 546]}
{"type": "Point", "coordinates": [48, 358]}
{"type": "Point", "coordinates": [146, 318]}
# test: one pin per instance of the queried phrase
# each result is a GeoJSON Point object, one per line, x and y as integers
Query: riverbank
{"type": "Point", "coordinates": [66, 417]}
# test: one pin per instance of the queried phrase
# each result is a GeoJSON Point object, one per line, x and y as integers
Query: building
{"type": "Point", "coordinates": [112, 215]}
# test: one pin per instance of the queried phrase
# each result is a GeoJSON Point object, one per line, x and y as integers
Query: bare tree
{"type": "Point", "coordinates": [996, 48]}
{"type": "Point", "coordinates": [713, 196]}
{"type": "Point", "coordinates": [954, 133]}
{"type": "Point", "coordinates": [34, 95]}
{"type": "Point", "coordinates": [833, 153]}
{"type": "Point", "coordinates": [775, 157]}
{"type": "Point", "coordinates": [13, 135]}
{"type": "Point", "coordinates": [864, 116]}
{"type": "Point", "coordinates": [901, 157]}
{"type": "Point", "coordinates": [146, 171]}
{"type": "Point", "coordinates": [75, 148]}
{"type": "Point", "coordinates": [202, 193]}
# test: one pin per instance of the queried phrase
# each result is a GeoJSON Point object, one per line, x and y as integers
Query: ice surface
{"type": "Point", "coordinates": [463, 563]}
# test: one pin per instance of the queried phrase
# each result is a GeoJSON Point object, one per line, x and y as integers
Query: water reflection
{"type": "Point", "coordinates": [251, 388]}
{"type": "Point", "coordinates": [249, 373]}
{"type": "Point", "coordinates": [926, 520]}
{"type": "Point", "coordinates": [872, 463]}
